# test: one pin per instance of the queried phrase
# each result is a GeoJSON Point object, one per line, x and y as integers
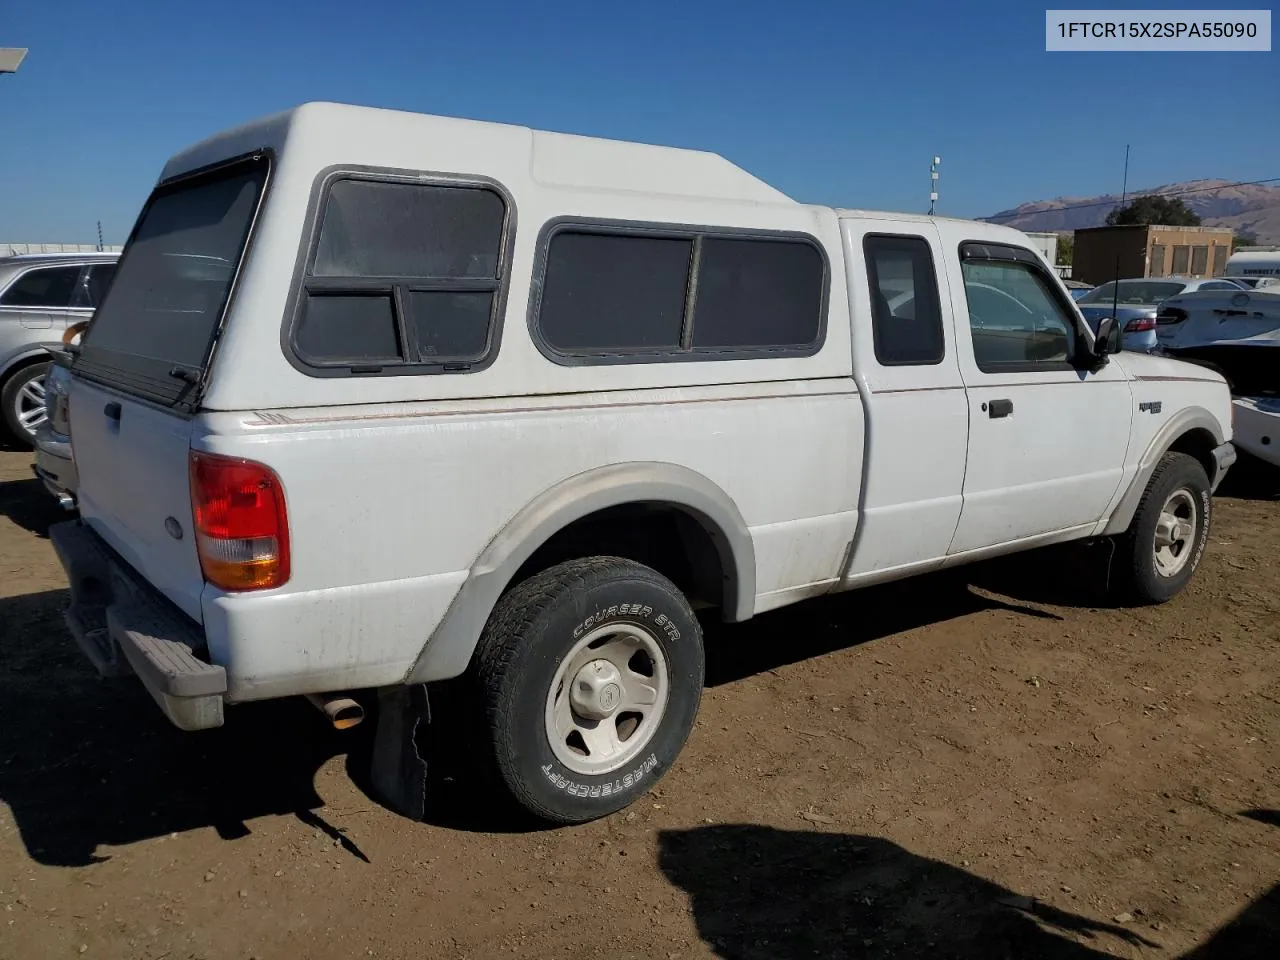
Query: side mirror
{"type": "Point", "coordinates": [1107, 339]}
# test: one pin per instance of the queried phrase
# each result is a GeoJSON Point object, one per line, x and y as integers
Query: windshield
{"type": "Point", "coordinates": [163, 308]}
{"type": "Point", "coordinates": [1148, 292]}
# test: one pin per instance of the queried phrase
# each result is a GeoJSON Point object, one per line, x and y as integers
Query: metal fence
{"type": "Point", "coordinates": [14, 249]}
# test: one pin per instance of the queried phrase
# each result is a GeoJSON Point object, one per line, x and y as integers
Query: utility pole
{"type": "Point", "coordinates": [10, 58]}
{"type": "Point", "coordinates": [933, 183]}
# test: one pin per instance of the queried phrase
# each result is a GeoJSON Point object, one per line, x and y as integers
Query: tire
{"type": "Point", "coordinates": [22, 402]}
{"type": "Point", "coordinates": [573, 641]}
{"type": "Point", "coordinates": [1155, 559]}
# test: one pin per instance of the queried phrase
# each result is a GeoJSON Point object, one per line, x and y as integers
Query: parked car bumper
{"type": "Point", "coordinates": [1256, 426]}
{"type": "Point", "coordinates": [1142, 342]}
{"type": "Point", "coordinates": [123, 626]}
{"type": "Point", "coordinates": [56, 466]}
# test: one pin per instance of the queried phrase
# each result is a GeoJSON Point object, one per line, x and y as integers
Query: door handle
{"type": "Point", "coordinates": [999, 408]}
{"type": "Point", "coordinates": [112, 411]}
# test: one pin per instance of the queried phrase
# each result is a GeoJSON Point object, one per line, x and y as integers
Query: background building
{"type": "Point", "coordinates": [1150, 251]}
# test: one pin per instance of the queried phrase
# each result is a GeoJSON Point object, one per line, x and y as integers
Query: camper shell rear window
{"type": "Point", "coordinates": [153, 334]}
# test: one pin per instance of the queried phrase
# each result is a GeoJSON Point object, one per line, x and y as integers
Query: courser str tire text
{"type": "Point", "coordinates": [591, 675]}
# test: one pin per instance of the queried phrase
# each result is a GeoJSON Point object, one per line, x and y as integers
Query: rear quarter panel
{"type": "Point", "coordinates": [390, 505]}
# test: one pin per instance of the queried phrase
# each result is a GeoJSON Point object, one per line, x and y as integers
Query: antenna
{"type": "Point", "coordinates": [99, 236]}
{"type": "Point", "coordinates": [1124, 193]}
{"type": "Point", "coordinates": [933, 183]}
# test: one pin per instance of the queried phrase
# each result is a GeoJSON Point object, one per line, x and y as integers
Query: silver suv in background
{"type": "Point", "coordinates": [41, 295]}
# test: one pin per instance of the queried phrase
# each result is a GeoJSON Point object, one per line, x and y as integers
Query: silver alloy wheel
{"type": "Point", "coordinates": [607, 698]}
{"type": "Point", "coordinates": [29, 408]}
{"type": "Point", "coordinates": [1176, 532]}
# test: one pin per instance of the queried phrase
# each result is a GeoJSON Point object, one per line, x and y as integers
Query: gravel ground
{"type": "Point", "coordinates": [987, 764]}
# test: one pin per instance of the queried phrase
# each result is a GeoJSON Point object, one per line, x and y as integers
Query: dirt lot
{"type": "Point", "coordinates": [984, 765]}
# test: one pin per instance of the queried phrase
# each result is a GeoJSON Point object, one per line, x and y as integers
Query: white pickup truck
{"type": "Point", "coordinates": [378, 399]}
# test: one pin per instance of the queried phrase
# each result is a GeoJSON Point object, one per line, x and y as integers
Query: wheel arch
{"type": "Point", "coordinates": [595, 492]}
{"type": "Point", "coordinates": [1194, 431]}
{"type": "Point", "coordinates": [24, 357]}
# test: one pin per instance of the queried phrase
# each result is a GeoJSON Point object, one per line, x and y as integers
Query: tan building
{"type": "Point", "coordinates": [1150, 251]}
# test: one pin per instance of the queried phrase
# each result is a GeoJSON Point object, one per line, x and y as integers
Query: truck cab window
{"type": "Point", "coordinates": [1014, 317]}
{"type": "Point", "coordinates": [906, 320]}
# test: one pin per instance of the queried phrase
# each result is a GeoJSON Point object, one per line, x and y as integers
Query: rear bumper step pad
{"type": "Point", "coordinates": [122, 628]}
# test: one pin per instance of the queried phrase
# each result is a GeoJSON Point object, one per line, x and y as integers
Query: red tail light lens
{"type": "Point", "coordinates": [1141, 325]}
{"type": "Point", "coordinates": [242, 529]}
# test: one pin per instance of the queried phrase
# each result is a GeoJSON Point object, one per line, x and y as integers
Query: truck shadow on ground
{"type": "Point", "coordinates": [86, 763]}
{"type": "Point", "coordinates": [1251, 479]}
{"type": "Point", "coordinates": [30, 506]}
{"type": "Point", "coordinates": [758, 892]}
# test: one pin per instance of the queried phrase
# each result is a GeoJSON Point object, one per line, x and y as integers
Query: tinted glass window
{"type": "Point", "coordinates": [100, 277]}
{"type": "Point", "coordinates": [1014, 318]}
{"type": "Point", "coordinates": [449, 326]}
{"type": "Point", "coordinates": [360, 329]}
{"type": "Point", "coordinates": [906, 319]}
{"type": "Point", "coordinates": [376, 229]}
{"type": "Point", "coordinates": [634, 293]}
{"type": "Point", "coordinates": [1148, 292]}
{"type": "Point", "coordinates": [92, 285]}
{"type": "Point", "coordinates": [172, 282]}
{"type": "Point", "coordinates": [416, 259]}
{"type": "Point", "coordinates": [757, 293]}
{"type": "Point", "coordinates": [46, 287]}
{"type": "Point", "coordinates": [608, 293]}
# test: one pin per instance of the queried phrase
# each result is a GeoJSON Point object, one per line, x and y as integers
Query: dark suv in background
{"type": "Point", "coordinates": [41, 295]}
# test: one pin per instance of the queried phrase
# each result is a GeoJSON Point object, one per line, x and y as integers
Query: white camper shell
{"type": "Point", "coordinates": [379, 399]}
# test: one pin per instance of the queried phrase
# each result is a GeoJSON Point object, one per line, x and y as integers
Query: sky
{"type": "Point", "coordinates": [836, 103]}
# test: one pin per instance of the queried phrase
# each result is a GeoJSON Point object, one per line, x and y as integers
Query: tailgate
{"type": "Point", "coordinates": [139, 369]}
{"type": "Point", "coordinates": [135, 490]}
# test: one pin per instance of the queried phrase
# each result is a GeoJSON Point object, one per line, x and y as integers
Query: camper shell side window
{"type": "Point", "coordinates": [402, 273]}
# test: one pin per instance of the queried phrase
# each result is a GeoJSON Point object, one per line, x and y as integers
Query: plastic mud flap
{"type": "Point", "coordinates": [123, 627]}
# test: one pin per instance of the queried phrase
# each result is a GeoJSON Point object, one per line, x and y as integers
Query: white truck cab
{"type": "Point", "coordinates": [378, 399]}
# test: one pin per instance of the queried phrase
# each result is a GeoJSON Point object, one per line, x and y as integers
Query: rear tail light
{"type": "Point", "coordinates": [1141, 325]}
{"type": "Point", "coordinates": [1170, 315]}
{"type": "Point", "coordinates": [242, 530]}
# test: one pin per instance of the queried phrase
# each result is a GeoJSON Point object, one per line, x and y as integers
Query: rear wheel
{"type": "Point", "coordinates": [591, 674]}
{"type": "Point", "coordinates": [1161, 550]}
{"type": "Point", "coordinates": [22, 400]}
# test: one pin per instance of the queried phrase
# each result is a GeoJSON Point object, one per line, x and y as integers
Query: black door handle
{"type": "Point", "coordinates": [112, 410]}
{"type": "Point", "coordinates": [999, 408]}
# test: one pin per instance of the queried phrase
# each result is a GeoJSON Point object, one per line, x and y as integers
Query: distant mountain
{"type": "Point", "coordinates": [1252, 209]}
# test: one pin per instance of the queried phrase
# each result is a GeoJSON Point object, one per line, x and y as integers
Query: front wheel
{"type": "Point", "coordinates": [591, 674]}
{"type": "Point", "coordinates": [1162, 548]}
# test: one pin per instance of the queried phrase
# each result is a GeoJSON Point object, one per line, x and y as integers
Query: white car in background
{"type": "Point", "coordinates": [1238, 335]}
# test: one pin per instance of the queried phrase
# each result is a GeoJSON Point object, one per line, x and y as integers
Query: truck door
{"type": "Point", "coordinates": [906, 363]}
{"type": "Point", "coordinates": [1047, 436]}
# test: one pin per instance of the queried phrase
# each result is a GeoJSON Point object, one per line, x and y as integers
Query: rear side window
{"type": "Point", "coordinates": [92, 285]}
{"type": "Point", "coordinates": [45, 287]}
{"type": "Point", "coordinates": [153, 331]}
{"type": "Point", "coordinates": [906, 321]}
{"type": "Point", "coordinates": [404, 277]}
{"type": "Point", "coordinates": [629, 294]}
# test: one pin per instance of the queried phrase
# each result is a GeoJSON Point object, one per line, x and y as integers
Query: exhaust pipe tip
{"type": "Point", "coordinates": [342, 711]}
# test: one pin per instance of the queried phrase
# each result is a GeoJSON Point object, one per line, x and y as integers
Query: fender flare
{"type": "Point", "coordinates": [24, 355]}
{"type": "Point", "coordinates": [1184, 421]}
{"type": "Point", "coordinates": [448, 651]}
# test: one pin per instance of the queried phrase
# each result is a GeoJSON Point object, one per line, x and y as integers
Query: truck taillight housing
{"type": "Point", "coordinates": [242, 530]}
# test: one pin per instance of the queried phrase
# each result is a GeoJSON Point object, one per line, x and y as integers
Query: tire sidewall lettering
{"type": "Point", "coordinates": [677, 633]}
